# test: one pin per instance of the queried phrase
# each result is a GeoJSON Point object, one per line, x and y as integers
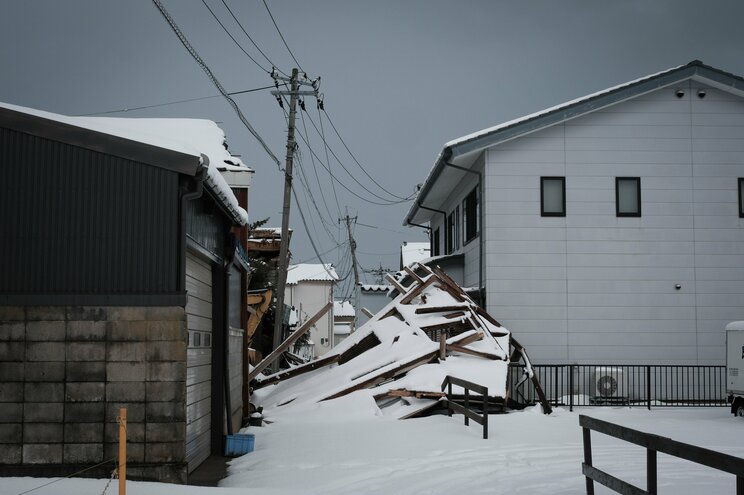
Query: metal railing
{"type": "Point", "coordinates": [653, 444]}
{"type": "Point", "coordinates": [634, 385]}
{"type": "Point", "coordinates": [481, 419]}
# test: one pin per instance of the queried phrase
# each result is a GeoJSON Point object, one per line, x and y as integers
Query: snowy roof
{"type": "Point", "coordinates": [343, 308]}
{"type": "Point", "coordinates": [463, 150]}
{"type": "Point", "coordinates": [342, 329]}
{"type": "Point", "coordinates": [195, 137]}
{"type": "Point", "coordinates": [411, 252]}
{"type": "Point", "coordinates": [375, 288]}
{"type": "Point", "coordinates": [311, 271]}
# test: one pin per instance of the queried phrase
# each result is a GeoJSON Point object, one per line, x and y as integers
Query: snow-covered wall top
{"type": "Point", "coordinates": [194, 137]}
{"type": "Point", "coordinates": [343, 308]}
{"type": "Point", "coordinates": [311, 271]}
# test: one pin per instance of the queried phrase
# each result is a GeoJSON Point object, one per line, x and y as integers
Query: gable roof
{"type": "Point", "coordinates": [311, 272]}
{"type": "Point", "coordinates": [343, 308]}
{"type": "Point", "coordinates": [462, 152]}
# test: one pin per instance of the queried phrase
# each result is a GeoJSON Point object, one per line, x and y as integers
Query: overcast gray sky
{"type": "Point", "coordinates": [400, 78]}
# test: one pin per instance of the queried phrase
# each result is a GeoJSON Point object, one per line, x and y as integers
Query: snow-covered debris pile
{"type": "Point", "coordinates": [401, 356]}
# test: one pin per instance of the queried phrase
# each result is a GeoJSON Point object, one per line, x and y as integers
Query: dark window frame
{"type": "Point", "coordinates": [452, 231]}
{"type": "Point", "coordinates": [544, 213]}
{"type": "Point", "coordinates": [435, 240]}
{"type": "Point", "coordinates": [636, 213]}
{"type": "Point", "coordinates": [741, 197]}
{"type": "Point", "coordinates": [470, 215]}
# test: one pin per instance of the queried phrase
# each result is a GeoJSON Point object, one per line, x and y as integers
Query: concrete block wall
{"type": "Point", "coordinates": [66, 371]}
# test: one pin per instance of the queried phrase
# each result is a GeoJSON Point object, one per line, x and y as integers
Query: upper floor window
{"type": "Point", "coordinates": [553, 196]}
{"type": "Point", "coordinates": [741, 197]}
{"type": "Point", "coordinates": [628, 196]}
{"type": "Point", "coordinates": [452, 234]}
{"type": "Point", "coordinates": [470, 215]}
{"type": "Point", "coordinates": [435, 242]}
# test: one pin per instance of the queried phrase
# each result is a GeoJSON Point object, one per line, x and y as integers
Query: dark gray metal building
{"type": "Point", "coordinates": [119, 286]}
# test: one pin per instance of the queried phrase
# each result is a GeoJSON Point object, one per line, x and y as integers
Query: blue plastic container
{"type": "Point", "coordinates": [239, 444]}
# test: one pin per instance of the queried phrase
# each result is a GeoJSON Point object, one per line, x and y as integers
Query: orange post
{"type": "Point", "coordinates": [123, 451]}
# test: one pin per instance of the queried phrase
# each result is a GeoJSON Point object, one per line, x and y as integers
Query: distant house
{"type": "Point", "coordinates": [343, 321]}
{"type": "Point", "coordinates": [608, 228]}
{"type": "Point", "coordinates": [120, 286]}
{"type": "Point", "coordinates": [372, 297]}
{"type": "Point", "coordinates": [309, 288]}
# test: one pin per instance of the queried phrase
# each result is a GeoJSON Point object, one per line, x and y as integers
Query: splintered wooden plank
{"type": "Point", "coordinates": [417, 291]}
{"type": "Point", "coordinates": [402, 392]}
{"type": "Point", "coordinates": [420, 410]}
{"type": "Point", "coordinates": [465, 350]}
{"type": "Point", "coordinates": [456, 314]}
{"type": "Point", "coordinates": [395, 283]}
{"type": "Point", "coordinates": [482, 312]}
{"type": "Point", "coordinates": [385, 375]}
{"type": "Point", "coordinates": [450, 285]}
{"type": "Point", "coordinates": [299, 370]}
{"type": "Point", "coordinates": [367, 343]}
{"type": "Point", "coordinates": [454, 326]}
{"type": "Point", "coordinates": [468, 339]}
{"type": "Point", "coordinates": [440, 309]}
{"type": "Point", "coordinates": [393, 312]}
{"type": "Point", "coordinates": [367, 313]}
{"type": "Point", "coordinates": [413, 275]}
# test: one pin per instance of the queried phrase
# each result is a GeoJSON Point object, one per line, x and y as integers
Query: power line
{"type": "Point", "coordinates": [129, 109]}
{"type": "Point", "coordinates": [233, 38]}
{"type": "Point", "coordinates": [357, 161]}
{"type": "Point", "coordinates": [328, 160]}
{"type": "Point", "coordinates": [251, 39]}
{"type": "Point", "coordinates": [206, 69]}
{"type": "Point", "coordinates": [315, 170]}
{"type": "Point", "coordinates": [282, 36]}
{"type": "Point", "coordinates": [322, 254]}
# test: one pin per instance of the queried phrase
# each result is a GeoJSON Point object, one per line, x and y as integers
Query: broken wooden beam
{"type": "Point", "coordinates": [299, 370]}
{"type": "Point", "coordinates": [385, 375]}
{"type": "Point", "coordinates": [402, 392]}
{"type": "Point", "coordinates": [440, 309]}
{"type": "Point", "coordinates": [467, 339]}
{"type": "Point", "coordinates": [413, 275]}
{"type": "Point", "coordinates": [285, 345]}
{"type": "Point", "coordinates": [395, 283]}
{"type": "Point", "coordinates": [417, 291]}
{"type": "Point", "coordinates": [465, 350]}
{"type": "Point", "coordinates": [367, 313]}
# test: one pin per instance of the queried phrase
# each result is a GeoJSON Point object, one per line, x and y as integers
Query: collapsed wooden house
{"type": "Point", "coordinates": [430, 330]}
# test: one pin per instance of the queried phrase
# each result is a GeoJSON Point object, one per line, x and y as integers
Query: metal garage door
{"type": "Point", "coordinates": [198, 360]}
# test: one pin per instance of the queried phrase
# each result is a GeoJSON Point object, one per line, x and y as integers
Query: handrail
{"type": "Point", "coordinates": [653, 444]}
{"type": "Point", "coordinates": [481, 419]}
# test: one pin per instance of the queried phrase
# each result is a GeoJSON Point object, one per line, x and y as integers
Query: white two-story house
{"type": "Point", "coordinates": [609, 229]}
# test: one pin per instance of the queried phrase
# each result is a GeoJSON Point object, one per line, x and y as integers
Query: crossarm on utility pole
{"type": "Point", "coordinates": [285, 345]}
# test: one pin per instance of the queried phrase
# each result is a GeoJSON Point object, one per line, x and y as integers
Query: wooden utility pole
{"type": "Point", "coordinates": [294, 92]}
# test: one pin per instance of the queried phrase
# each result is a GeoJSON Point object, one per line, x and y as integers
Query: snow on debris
{"type": "Point", "coordinates": [189, 136]}
{"type": "Point", "coordinates": [311, 272]}
{"type": "Point", "coordinates": [400, 357]}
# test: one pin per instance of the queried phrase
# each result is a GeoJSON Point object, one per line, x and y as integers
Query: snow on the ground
{"type": "Point", "coordinates": [344, 446]}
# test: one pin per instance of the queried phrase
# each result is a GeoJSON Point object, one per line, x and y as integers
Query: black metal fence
{"type": "Point", "coordinates": [639, 385]}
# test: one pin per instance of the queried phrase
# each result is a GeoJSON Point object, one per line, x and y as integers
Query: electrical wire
{"type": "Point", "coordinates": [282, 36]}
{"type": "Point", "coordinates": [307, 231]}
{"type": "Point", "coordinates": [173, 102]}
{"type": "Point", "coordinates": [215, 81]}
{"type": "Point", "coordinates": [357, 161]}
{"type": "Point", "coordinates": [251, 39]}
{"type": "Point", "coordinates": [328, 161]}
{"type": "Point", "coordinates": [315, 170]}
{"type": "Point", "coordinates": [233, 38]}
{"type": "Point", "coordinates": [322, 254]}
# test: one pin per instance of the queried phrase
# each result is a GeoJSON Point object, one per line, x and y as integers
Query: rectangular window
{"type": "Point", "coordinates": [435, 242]}
{"type": "Point", "coordinates": [628, 196]}
{"type": "Point", "coordinates": [470, 215]}
{"type": "Point", "coordinates": [452, 240]}
{"type": "Point", "coordinates": [553, 196]}
{"type": "Point", "coordinates": [741, 197]}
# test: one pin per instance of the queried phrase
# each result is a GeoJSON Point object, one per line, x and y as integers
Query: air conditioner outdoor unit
{"type": "Point", "coordinates": [608, 383]}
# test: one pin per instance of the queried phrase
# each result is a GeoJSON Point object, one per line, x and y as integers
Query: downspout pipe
{"type": "Point", "coordinates": [199, 178]}
{"type": "Point", "coordinates": [444, 222]}
{"type": "Point", "coordinates": [445, 159]}
{"type": "Point", "coordinates": [229, 257]}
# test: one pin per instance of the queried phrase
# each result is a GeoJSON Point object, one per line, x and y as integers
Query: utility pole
{"type": "Point", "coordinates": [294, 92]}
{"type": "Point", "coordinates": [352, 245]}
{"type": "Point", "coordinates": [379, 274]}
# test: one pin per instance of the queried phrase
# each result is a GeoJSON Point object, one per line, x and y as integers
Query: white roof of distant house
{"type": "Point", "coordinates": [343, 308]}
{"type": "Point", "coordinates": [410, 252]}
{"type": "Point", "coordinates": [189, 136]}
{"type": "Point", "coordinates": [375, 288]}
{"type": "Point", "coordinates": [341, 328]}
{"type": "Point", "coordinates": [313, 272]}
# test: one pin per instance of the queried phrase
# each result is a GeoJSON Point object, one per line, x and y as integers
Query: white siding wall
{"type": "Point", "coordinates": [592, 287]}
{"type": "Point", "coordinates": [310, 297]}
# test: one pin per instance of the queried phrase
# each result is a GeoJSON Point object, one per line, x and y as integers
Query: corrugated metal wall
{"type": "Point", "coordinates": [78, 221]}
